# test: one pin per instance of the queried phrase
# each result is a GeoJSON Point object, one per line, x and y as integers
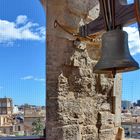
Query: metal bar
{"type": "Point", "coordinates": [102, 4]}
{"type": "Point", "coordinates": [137, 10]}
{"type": "Point", "coordinates": [106, 13]}
{"type": "Point", "coordinates": [109, 13]}
{"type": "Point", "coordinates": [113, 13]}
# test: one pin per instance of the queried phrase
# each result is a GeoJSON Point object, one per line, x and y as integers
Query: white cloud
{"type": "Point", "coordinates": [42, 31]}
{"type": "Point", "coordinates": [39, 79]}
{"type": "Point", "coordinates": [30, 77]}
{"type": "Point", "coordinates": [130, 1]}
{"type": "Point", "coordinates": [133, 39]}
{"type": "Point", "coordinates": [21, 19]}
{"type": "Point", "coordinates": [10, 31]}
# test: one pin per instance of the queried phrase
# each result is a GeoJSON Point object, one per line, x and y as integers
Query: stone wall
{"type": "Point", "coordinates": [81, 105]}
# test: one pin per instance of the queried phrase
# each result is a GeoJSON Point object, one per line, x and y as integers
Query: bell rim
{"type": "Point", "coordinates": [118, 70]}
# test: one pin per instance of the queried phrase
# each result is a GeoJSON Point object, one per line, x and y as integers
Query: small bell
{"type": "Point", "coordinates": [115, 55]}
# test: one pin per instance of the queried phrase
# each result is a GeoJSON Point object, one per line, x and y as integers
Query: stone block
{"type": "Point", "coordinates": [107, 121]}
{"type": "Point", "coordinates": [106, 134]}
{"type": "Point", "coordinates": [89, 129]}
{"type": "Point", "coordinates": [90, 137]}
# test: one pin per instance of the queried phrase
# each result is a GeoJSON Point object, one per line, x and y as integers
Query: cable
{"type": "Point", "coordinates": [73, 34]}
{"type": "Point", "coordinates": [108, 8]}
{"type": "Point", "coordinates": [113, 12]}
{"type": "Point", "coordinates": [57, 23]}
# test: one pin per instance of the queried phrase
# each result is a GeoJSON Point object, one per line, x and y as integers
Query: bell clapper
{"type": "Point", "coordinates": [114, 72]}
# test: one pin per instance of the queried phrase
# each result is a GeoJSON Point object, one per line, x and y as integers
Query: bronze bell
{"type": "Point", "coordinates": [115, 55]}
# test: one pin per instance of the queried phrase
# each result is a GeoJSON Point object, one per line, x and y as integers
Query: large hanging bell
{"type": "Point", "coordinates": [115, 55]}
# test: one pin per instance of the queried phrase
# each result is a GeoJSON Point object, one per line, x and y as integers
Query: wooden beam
{"type": "Point", "coordinates": [124, 14]}
{"type": "Point", "coordinates": [137, 8]}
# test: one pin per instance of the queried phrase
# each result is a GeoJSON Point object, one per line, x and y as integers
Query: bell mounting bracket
{"type": "Point", "coordinates": [112, 14]}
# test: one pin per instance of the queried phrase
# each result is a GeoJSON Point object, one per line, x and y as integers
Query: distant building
{"type": "Point", "coordinates": [131, 124]}
{"type": "Point", "coordinates": [138, 102]}
{"type": "Point", "coordinates": [6, 106]}
{"type": "Point", "coordinates": [6, 110]}
{"type": "Point", "coordinates": [132, 129]}
{"type": "Point", "coordinates": [15, 110]}
{"type": "Point", "coordinates": [127, 129]}
{"type": "Point", "coordinates": [126, 104]}
{"type": "Point", "coordinates": [31, 114]}
{"type": "Point", "coordinates": [136, 111]}
{"type": "Point", "coordinates": [18, 125]}
{"type": "Point", "coordinates": [20, 120]}
{"type": "Point", "coordinates": [6, 125]}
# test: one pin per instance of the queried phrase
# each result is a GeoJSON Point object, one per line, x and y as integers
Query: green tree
{"type": "Point", "coordinates": [37, 127]}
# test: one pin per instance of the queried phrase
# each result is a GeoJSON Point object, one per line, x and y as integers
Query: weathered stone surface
{"type": "Point", "coordinates": [107, 120]}
{"type": "Point", "coordinates": [80, 103]}
{"type": "Point", "coordinates": [89, 129]}
{"type": "Point", "coordinates": [106, 134]}
{"type": "Point", "coordinates": [90, 137]}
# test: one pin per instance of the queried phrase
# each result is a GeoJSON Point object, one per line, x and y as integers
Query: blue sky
{"type": "Point", "coordinates": [22, 51]}
{"type": "Point", "coordinates": [131, 80]}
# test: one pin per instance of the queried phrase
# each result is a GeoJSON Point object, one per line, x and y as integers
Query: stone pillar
{"type": "Point", "coordinates": [80, 103]}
